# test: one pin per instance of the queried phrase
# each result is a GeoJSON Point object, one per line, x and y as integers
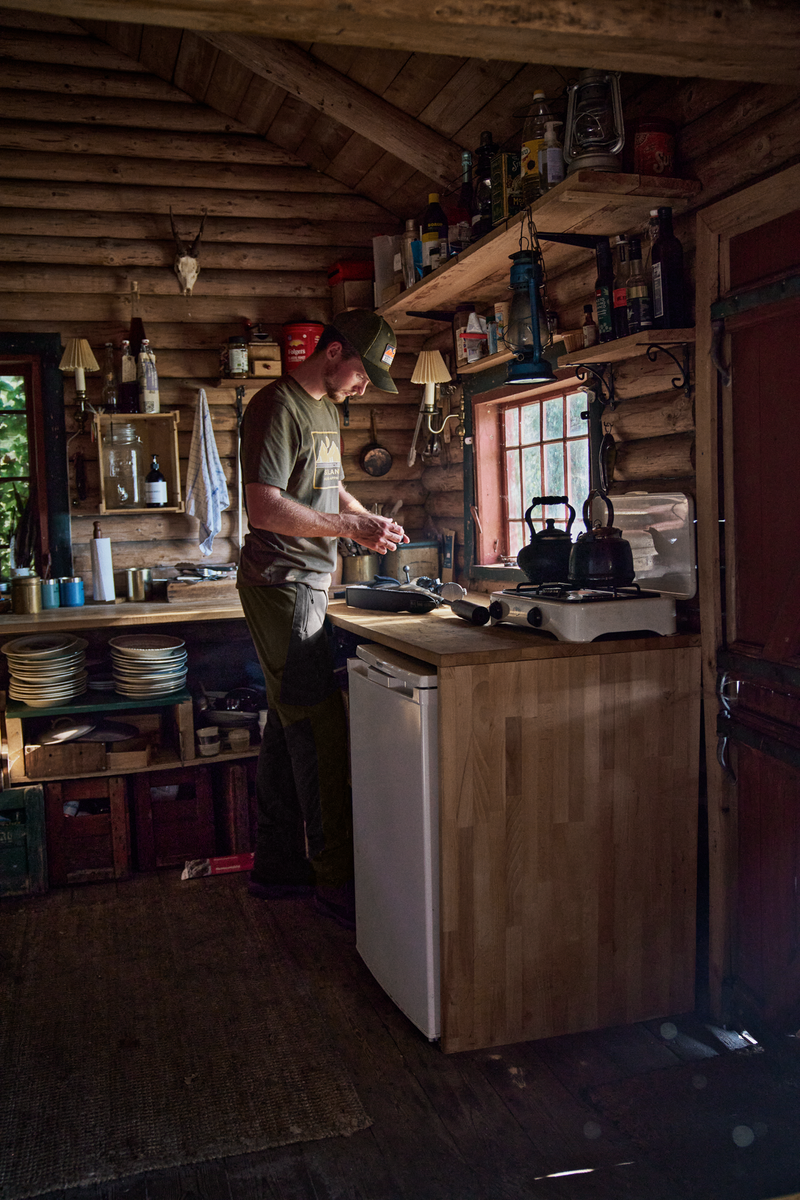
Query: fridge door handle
{"type": "Point", "coordinates": [387, 681]}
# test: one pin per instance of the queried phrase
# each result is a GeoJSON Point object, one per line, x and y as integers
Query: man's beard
{"type": "Point", "coordinates": [331, 391]}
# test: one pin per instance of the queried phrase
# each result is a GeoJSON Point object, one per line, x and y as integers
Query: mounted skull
{"type": "Point", "coordinates": [187, 266]}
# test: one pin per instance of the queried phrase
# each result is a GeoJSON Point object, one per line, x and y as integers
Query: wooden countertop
{"type": "Point", "coordinates": [98, 616]}
{"type": "Point", "coordinates": [445, 640]}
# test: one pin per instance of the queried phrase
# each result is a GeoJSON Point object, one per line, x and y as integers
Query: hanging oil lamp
{"type": "Point", "coordinates": [527, 332]}
{"type": "Point", "coordinates": [595, 131]}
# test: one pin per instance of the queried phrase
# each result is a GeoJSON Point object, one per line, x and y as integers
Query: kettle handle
{"type": "Point", "coordinates": [587, 508]}
{"type": "Point", "coordinates": [550, 500]}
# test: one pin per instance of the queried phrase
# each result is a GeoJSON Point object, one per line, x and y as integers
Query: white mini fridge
{"type": "Point", "coordinates": [394, 767]}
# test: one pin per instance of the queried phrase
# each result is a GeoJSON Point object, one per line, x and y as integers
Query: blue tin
{"type": "Point", "coordinates": [72, 591]}
{"type": "Point", "coordinates": [51, 593]}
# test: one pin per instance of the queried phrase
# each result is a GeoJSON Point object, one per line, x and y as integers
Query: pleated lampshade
{"type": "Point", "coordinates": [78, 355]}
{"type": "Point", "coordinates": [430, 368]}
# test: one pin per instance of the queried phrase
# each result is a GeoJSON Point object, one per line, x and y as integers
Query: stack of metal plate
{"type": "Point", "coordinates": [46, 669]}
{"type": "Point", "coordinates": [148, 664]}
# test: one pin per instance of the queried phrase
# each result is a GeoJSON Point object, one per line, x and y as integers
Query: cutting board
{"type": "Point", "coordinates": [202, 591]}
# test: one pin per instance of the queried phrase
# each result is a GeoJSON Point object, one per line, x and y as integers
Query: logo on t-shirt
{"type": "Point", "coordinates": [327, 461]}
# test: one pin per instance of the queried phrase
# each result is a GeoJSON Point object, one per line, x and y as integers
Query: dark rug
{"type": "Point", "coordinates": [725, 1128]}
{"type": "Point", "coordinates": [154, 1029]}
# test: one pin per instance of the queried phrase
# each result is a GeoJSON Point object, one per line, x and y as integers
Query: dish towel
{"type": "Point", "coordinates": [206, 490]}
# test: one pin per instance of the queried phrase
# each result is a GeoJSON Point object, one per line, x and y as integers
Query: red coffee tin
{"type": "Point", "coordinates": [654, 148]}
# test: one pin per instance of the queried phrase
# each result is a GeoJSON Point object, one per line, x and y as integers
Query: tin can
{"type": "Point", "coordinates": [654, 148]}
{"type": "Point", "coordinates": [71, 590]}
{"type": "Point", "coordinates": [51, 594]}
{"type": "Point", "coordinates": [26, 594]}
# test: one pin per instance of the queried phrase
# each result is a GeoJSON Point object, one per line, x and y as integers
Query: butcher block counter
{"type": "Point", "coordinates": [568, 791]}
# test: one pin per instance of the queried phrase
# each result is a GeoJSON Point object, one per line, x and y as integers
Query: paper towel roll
{"type": "Point", "coordinates": [102, 570]}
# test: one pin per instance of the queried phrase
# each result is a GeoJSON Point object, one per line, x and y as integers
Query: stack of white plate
{"type": "Point", "coordinates": [148, 664]}
{"type": "Point", "coordinates": [46, 669]}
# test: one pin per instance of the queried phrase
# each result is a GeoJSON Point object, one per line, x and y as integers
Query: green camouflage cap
{"type": "Point", "coordinates": [375, 341]}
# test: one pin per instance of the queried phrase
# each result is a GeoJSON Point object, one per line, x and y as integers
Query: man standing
{"type": "Point", "coordinates": [297, 508]}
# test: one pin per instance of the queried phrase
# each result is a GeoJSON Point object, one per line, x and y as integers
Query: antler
{"type": "Point", "coordinates": [179, 241]}
{"type": "Point", "coordinates": [196, 242]}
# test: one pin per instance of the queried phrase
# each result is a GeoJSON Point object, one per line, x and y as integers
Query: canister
{"type": "Point", "coordinates": [237, 357]}
{"type": "Point", "coordinates": [654, 148]}
{"type": "Point", "coordinates": [26, 594]}
{"type": "Point", "coordinates": [71, 589]}
{"type": "Point", "coordinates": [139, 583]}
{"type": "Point", "coordinates": [51, 593]}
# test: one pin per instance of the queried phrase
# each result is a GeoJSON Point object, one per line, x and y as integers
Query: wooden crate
{"type": "Point", "coordinates": [70, 758]}
{"type": "Point", "coordinates": [235, 805]}
{"type": "Point", "coordinates": [174, 817]}
{"type": "Point", "coordinates": [84, 848]}
{"type": "Point", "coordinates": [23, 856]}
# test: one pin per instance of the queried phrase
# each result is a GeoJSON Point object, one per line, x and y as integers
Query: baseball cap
{"type": "Point", "coordinates": [375, 341]}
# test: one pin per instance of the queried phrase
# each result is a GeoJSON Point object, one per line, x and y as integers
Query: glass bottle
{"type": "Point", "coordinates": [482, 203]}
{"type": "Point", "coordinates": [669, 295]}
{"type": "Point", "coordinates": [589, 327]}
{"type": "Point", "coordinates": [110, 394]}
{"type": "Point", "coordinates": [551, 158]}
{"type": "Point", "coordinates": [460, 218]}
{"type": "Point", "coordinates": [155, 486]}
{"type": "Point", "coordinates": [620, 294]}
{"type": "Point", "coordinates": [122, 455]}
{"type": "Point", "coordinates": [434, 235]}
{"type": "Point", "coordinates": [604, 292]}
{"type": "Point", "coordinates": [640, 313]}
{"type": "Point", "coordinates": [128, 401]}
{"type": "Point", "coordinates": [410, 236]}
{"type": "Point", "coordinates": [136, 333]}
{"type": "Point", "coordinates": [533, 139]}
{"type": "Point", "coordinates": [149, 401]}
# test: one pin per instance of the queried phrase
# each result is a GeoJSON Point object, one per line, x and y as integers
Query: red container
{"type": "Point", "coordinates": [349, 268]}
{"type": "Point", "coordinates": [654, 148]}
{"type": "Point", "coordinates": [299, 343]}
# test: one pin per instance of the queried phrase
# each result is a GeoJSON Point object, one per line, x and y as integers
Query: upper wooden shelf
{"type": "Point", "coordinates": [628, 347]}
{"type": "Point", "coordinates": [590, 202]}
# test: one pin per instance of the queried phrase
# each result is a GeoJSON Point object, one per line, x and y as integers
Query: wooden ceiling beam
{"type": "Point", "coordinates": [354, 106]}
{"type": "Point", "coordinates": [748, 40]}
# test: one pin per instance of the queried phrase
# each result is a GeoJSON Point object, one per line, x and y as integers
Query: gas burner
{"type": "Point", "coordinates": [572, 614]}
{"type": "Point", "coordinates": [570, 594]}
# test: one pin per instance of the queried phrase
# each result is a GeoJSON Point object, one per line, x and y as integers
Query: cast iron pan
{"type": "Point", "coordinates": [375, 459]}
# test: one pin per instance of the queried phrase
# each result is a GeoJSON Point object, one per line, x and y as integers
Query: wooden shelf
{"type": "Point", "coordinates": [591, 202]}
{"type": "Point", "coordinates": [91, 701]}
{"type": "Point", "coordinates": [165, 761]}
{"type": "Point", "coordinates": [632, 346]}
{"type": "Point", "coordinates": [158, 433]}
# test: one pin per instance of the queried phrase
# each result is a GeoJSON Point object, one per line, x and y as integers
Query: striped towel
{"type": "Point", "coordinates": [206, 490]}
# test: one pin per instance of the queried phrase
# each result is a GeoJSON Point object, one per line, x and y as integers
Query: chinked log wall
{"type": "Point", "coordinates": [94, 150]}
{"type": "Point", "coordinates": [730, 135]}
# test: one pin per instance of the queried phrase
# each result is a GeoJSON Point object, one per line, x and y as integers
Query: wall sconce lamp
{"type": "Point", "coordinates": [78, 358]}
{"type": "Point", "coordinates": [431, 371]}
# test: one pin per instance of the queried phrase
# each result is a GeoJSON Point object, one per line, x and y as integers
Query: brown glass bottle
{"type": "Point", "coordinates": [669, 293]}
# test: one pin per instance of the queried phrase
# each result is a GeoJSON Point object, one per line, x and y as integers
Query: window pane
{"type": "Point", "coordinates": [553, 419]}
{"type": "Point", "coordinates": [531, 475]}
{"type": "Point", "coordinates": [530, 424]}
{"type": "Point", "coordinates": [512, 426]}
{"type": "Point", "coordinates": [14, 443]}
{"type": "Point", "coordinates": [576, 404]}
{"type": "Point", "coordinates": [12, 391]}
{"type": "Point", "coordinates": [578, 468]}
{"type": "Point", "coordinates": [513, 484]}
{"type": "Point", "coordinates": [516, 538]}
{"type": "Point", "coordinates": [554, 469]}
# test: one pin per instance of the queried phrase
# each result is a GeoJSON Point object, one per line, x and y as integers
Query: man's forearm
{"type": "Point", "coordinates": [268, 508]}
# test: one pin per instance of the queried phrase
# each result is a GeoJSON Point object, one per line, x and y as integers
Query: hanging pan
{"type": "Point", "coordinates": [375, 459]}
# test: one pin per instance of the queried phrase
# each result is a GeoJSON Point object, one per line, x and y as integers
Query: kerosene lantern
{"type": "Point", "coordinates": [527, 331]}
{"type": "Point", "coordinates": [595, 132]}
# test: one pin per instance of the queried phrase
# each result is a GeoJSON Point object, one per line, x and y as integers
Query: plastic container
{"type": "Point", "coordinates": [299, 343]}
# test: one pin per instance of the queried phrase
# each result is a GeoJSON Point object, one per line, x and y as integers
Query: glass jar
{"type": "Point", "coordinates": [237, 358]}
{"type": "Point", "coordinates": [123, 466]}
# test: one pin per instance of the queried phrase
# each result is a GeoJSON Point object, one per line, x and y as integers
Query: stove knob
{"type": "Point", "coordinates": [535, 617]}
{"type": "Point", "coordinates": [497, 610]}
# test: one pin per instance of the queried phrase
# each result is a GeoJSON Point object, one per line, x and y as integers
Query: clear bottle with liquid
{"type": "Point", "coordinates": [533, 140]}
{"type": "Point", "coordinates": [410, 236]}
{"type": "Point", "coordinates": [149, 401]}
{"type": "Point", "coordinates": [551, 158]}
{"type": "Point", "coordinates": [110, 394]}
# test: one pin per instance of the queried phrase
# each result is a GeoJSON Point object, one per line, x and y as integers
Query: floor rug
{"type": "Point", "coordinates": [161, 1027]}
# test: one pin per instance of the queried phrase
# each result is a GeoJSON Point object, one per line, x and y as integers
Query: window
{"type": "Point", "coordinates": [527, 445]}
{"type": "Point", "coordinates": [21, 532]}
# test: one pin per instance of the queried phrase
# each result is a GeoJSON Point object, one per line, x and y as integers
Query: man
{"type": "Point", "coordinates": [297, 508]}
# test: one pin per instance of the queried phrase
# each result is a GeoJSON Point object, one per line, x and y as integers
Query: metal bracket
{"type": "Point", "coordinates": [680, 381]}
{"type": "Point", "coordinates": [605, 386]}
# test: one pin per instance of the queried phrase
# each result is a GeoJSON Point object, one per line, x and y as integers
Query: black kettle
{"type": "Point", "coordinates": [546, 558]}
{"type": "Point", "coordinates": [600, 557]}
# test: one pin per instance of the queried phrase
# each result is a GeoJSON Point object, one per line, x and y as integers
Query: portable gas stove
{"type": "Point", "coordinates": [581, 614]}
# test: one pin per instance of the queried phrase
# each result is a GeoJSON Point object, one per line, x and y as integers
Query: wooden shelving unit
{"type": "Point", "coordinates": [633, 346]}
{"type": "Point", "coordinates": [158, 433]}
{"type": "Point", "coordinates": [587, 202]}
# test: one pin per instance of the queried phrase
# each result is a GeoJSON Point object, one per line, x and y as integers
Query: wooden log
{"type": "Point", "coordinates": [58, 48]}
{"type": "Point", "coordinates": [140, 527]}
{"type": "Point", "coordinates": [116, 110]}
{"type": "Point", "coordinates": [381, 491]}
{"type": "Point", "coordinates": [680, 101]}
{"type": "Point", "coordinates": [136, 143]}
{"type": "Point", "coordinates": [759, 149]}
{"type": "Point", "coordinates": [158, 172]}
{"type": "Point", "coordinates": [23, 307]}
{"type": "Point", "coordinates": [439, 525]}
{"type": "Point", "coordinates": [638, 377]}
{"type": "Point", "coordinates": [400, 470]}
{"type": "Point", "coordinates": [396, 441]}
{"type": "Point", "coordinates": [448, 505]}
{"type": "Point", "coordinates": [84, 81]}
{"type": "Point", "coordinates": [157, 555]}
{"type": "Point", "coordinates": [191, 201]}
{"type": "Point", "coordinates": [657, 416]}
{"type": "Point", "coordinates": [650, 458]}
{"type": "Point", "coordinates": [162, 281]}
{"type": "Point", "coordinates": [119, 252]}
{"type": "Point", "coordinates": [41, 22]}
{"type": "Point", "coordinates": [231, 231]}
{"type": "Point", "coordinates": [448, 478]}
{"type": "Point", "coordinates": [706, 134]}
{"type": "Point", "coordinates": [687, 484]}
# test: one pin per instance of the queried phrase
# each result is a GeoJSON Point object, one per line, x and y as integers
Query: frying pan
{"type": "Point", "coordinates": [375, 459]}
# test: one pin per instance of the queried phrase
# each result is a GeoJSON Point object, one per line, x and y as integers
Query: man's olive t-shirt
{"type": "Point", "coordinates": [291, 441]}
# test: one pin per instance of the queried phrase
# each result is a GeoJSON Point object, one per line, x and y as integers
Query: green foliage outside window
{"type": "Point", "coordinates": [14, 463]}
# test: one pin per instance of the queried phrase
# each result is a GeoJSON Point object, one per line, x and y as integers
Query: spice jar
{"type": "Point", "coordinates": [237, 357]}
{"type": "Point", "coordinates": [26, 594]}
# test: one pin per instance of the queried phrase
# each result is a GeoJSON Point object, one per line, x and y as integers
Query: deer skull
{"type": "Point", "coordinates": [187, 266]}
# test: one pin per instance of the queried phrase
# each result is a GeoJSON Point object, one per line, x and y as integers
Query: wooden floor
{"type": "Point", "coordinates": [540, 1119]}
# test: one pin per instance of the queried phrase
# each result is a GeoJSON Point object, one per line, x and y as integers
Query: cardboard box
{"type": "Point", "coordinates": [132, 755]}
{"type": "Point", "coordinates": [352, 293]}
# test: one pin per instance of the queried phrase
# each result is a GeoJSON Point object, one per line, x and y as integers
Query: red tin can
{"type": "Point", "coordinates": [654, 148]}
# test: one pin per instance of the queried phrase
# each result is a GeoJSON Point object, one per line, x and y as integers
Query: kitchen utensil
{"type": "Point", "coordinates": [139, 583]}
{"type": "Point", "coordinates": [600, 557]}
{"type": "Point", "coordinates": [546, 558]}
{"type": "Point", "coordinates": [606, 458]}
{"type": "Point", "coordinates": [109, 731]}
{"type": "Point", "coordinates": [390, 599]}
{"type": "Point", "coordinates": [64, 729]}
{"type": "Point", "coordinates": [359, 568]}
{"type": "Point", "coordinates": [375, 459]}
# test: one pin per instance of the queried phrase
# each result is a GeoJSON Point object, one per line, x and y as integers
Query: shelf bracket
{"type": "Point", "coordinates": [679, 381]}
{"type": "Point", "coordinates": [604, 375]}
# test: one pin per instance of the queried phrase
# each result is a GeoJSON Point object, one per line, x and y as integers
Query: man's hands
{"type": "Point", "coordinates": [376, 533]}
